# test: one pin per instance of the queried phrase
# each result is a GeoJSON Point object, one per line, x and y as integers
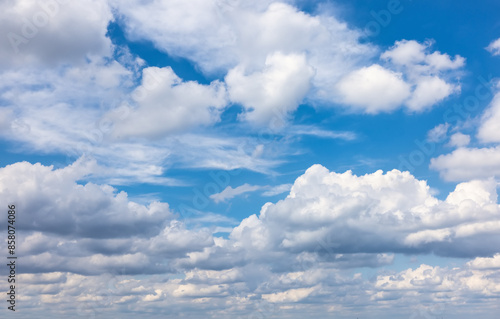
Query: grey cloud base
{"type": "Point", "coordinates": [298, 251]}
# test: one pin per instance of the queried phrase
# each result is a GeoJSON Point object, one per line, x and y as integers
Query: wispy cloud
{"type": "Point", "coordinates": [229, 192]}
{"type": "Point", "coordinates": [276, 190]}
{"type": "Point", "coordinates": [318, 132]}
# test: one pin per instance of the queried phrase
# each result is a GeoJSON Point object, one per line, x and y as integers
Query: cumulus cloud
{"type": "Point", "coordinates": [414, 56]}
{"type": "Point", "coordinates": [273, 54]}
{"type": "Point", "coordinates": [57, 204]}
{"type": "Point", "coordinates": [294, 253]}
{"type": "Point", "coordinates": [494, 47]}
{"type": "Point", "coordinates": [429, 91]}
{"type": "Point", "coordinates": [328, 218]}
{"type": "Point", "coordinates": [490, 122]}
{"type": "Point", "coordinates": [74, 111]}
{"type": "Point", "coordinates": [233, 31]}
{"type": "Point", "coordinates": [291, 295]}
{"type": "Point", "coordinates": [271, 95]}
{"type": "Point", "coordinates": [413, 77]}
{"type": "Point", "coordinates": [459, 140]}
{"type": "Point", "coordinates": [75, 106]}
{"type": "Point", "coordinates": [362, 89]}
{"type": "Point", "coordinates": [427, 72]}
{"type": "Point", "coordinates": [53, 32]}
{"type": "Point", "coordinates": [485, 263]}
{"type": "Point", "coordinates": [167, 104]}
{"type": "Point", "coordinates": [468, 163]}
{"type": "Point", "coordinates": [437, 282]}
{"type": "Point", "coordinates": [90, 228]}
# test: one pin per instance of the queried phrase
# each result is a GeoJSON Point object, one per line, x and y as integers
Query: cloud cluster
{"type": "Point", "coordinates": [478, 162]}
{"type": "Point", "coordinates": [275, 56]}
{"type": "Point", "coordinates": [95, 98]}
{"type": "Point", "coordinates": [335, 213]}
{"type": "Point", "coordinates": [332, 211]}
{"type": "Point", "coordinates": [89, 249]}
{"type": "Point", "coordinates": [413, 77]}
{"type": "Point", "coordinates": [86, 241]}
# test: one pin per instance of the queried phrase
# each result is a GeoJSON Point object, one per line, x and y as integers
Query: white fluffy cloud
{"type": "Point", "coordinates": [426, 71]}
{"type": "Point", "coordinates": [373, 89]}
{"type": "Point", "coordinates": [54, 203]}
{"type": "Point", "coordinates": [421, 291]}
{"type": "Point", "coordinates": [413, 77]}
{"type": "Point", "coordinates": [293, 254]}
{"type": "Point", "coordinates": [328, 218]}
{"type": "Point", "coordinates": [273, 54]}
{"type": "Point", "coordinates": [485, 263]}
{"type": "Point", "coordinates": [474, 162]}
{"type": "Point", "coordinates": [166, 104]}
{"type": "Point", "coordinates": [234, 32]}
{"type": "Point", "coordinates": [415, 56]}
{"type": "Point", "coordinates": [489, 128]}
{"type": "Point", "coordinates": [429, 91]}
{"type": "Point", "coordinates": [494, 47]}
{"type": "Point", "coordinates": [90, 228]}
{"type": "Point", "coordinates": [468, 163]}
{"type": "Point", "coordinates": [439, 285]}
{"type": "Point", "coordinates": [271, 95]}
{"type": "Point", "coordinates": [324, 211]}
{"type": "Point", "coordinates": [459, 140]}
{"type": "Point", "coordinates": [90, 250]}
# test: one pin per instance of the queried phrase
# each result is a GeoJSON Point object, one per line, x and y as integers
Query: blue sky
{"type": "Point", "coordinates": [227, 159]}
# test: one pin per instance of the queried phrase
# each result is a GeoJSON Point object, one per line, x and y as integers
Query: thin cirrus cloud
{"type": "Point", "coordinates": [230, 192]}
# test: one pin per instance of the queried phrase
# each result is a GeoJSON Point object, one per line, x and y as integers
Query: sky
{"type": "Point", "coordinates": [263, 159]}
